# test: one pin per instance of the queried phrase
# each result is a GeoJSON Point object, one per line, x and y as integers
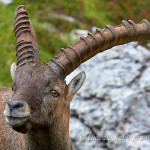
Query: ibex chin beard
{"type": "Point", "coordinates": [16, 113]}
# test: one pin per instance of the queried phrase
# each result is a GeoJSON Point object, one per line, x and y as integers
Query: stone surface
{"type": "Point", "coordinates": [75, 34]}
{"type": "Point", "coordinates": [112, 109]}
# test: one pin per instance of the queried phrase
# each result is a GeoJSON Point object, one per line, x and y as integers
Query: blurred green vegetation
{"type": "Point", "coordinates": [53, 32]}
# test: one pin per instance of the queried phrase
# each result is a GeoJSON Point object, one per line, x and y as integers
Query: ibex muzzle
{"type": "Point", "coordinates": [40, 101]}
{"type": "Point", "coordinates": [16, 112]}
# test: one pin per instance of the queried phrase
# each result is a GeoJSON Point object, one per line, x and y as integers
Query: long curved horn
{"type": "Point", "coordinates": [87, 47]}
{"type": "Point", "coordinates": [27, 47]}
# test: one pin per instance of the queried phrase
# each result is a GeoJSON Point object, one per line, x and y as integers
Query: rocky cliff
{"type": "Point", "coordinates": [112, 109]}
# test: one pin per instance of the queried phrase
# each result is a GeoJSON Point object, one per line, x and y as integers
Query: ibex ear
{"type": "Point", "coordinates": [76, 83]}
{"type": "Point", "coordinates": [13, 69]}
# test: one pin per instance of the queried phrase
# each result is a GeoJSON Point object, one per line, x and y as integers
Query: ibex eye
{"type": "Point", "coordinates": [54, 93]}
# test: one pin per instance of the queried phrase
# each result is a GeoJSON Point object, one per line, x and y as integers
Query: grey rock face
{"type": "Point", "coordinates": [112, 109]}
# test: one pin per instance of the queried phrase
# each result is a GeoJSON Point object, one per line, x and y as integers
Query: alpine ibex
{"type": "Point", "coordinates": [38, 103]}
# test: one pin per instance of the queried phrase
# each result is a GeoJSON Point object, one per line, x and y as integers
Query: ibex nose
{"type": "Point", "coordinates": [14, 105]}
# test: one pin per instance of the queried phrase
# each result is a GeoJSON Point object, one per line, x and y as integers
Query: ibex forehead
{"type": "Point", "coordinates": [39, 74]}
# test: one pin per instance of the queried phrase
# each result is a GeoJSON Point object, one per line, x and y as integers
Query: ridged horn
{"type": "Point", "coordinates": [68, 60]}
{"type": "Point", "coordinates": [26, 43]}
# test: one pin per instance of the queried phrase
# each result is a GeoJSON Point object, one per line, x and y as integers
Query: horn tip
{"type": "Point", "coordinates": [19, 7]}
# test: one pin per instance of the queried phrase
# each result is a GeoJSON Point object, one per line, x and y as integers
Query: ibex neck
{"type": "Point", "coordinates": [48, 139]}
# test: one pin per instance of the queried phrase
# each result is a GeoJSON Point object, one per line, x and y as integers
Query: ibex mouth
{"type": "Point", "coordinates": [16, 113]}
{"type": "Point", "coordinates": [14, 118]}
{"type": "Point", "coordinates": [15, 121]}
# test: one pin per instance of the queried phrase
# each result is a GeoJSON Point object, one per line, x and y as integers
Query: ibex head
{"type": "Point", "coordinates": [40, 95]}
